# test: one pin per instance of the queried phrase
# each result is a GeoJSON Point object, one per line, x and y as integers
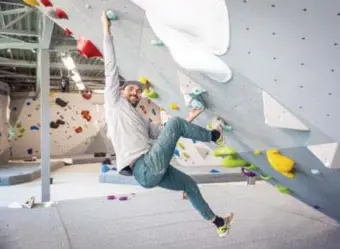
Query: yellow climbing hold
{"type": "Point", "coordinates": [181, 145]}
{"type": "Point", "coordinates": [52, 94]}
{"type": "Point", "coordinates": [282, 164]}
{"type": "Point", "coordinates": [31, 2]}
{"type": "Point", "coordinates": [143, 80]}
{"type": "Point", "coordinates": [186, 155]}
{"type": "Point", "coordinates": [161, 108]}
{"type": "Point", "coordinates": [173, 106]}
{"type": "Point", "coordinates": [257, 152]}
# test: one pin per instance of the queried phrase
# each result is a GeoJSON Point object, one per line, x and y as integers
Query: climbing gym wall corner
{"type": "Point", "coordinates": [328, 154]}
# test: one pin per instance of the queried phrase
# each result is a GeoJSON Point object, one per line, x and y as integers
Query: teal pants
{"type": "Point", "coordinates": [153, 169]}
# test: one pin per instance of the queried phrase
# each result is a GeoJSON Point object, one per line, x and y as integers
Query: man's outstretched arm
{"type": "Point", "coordinates": [112, 92]}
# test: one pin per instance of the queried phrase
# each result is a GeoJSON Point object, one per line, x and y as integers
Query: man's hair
{"type": "Point", "coordinates": [123, 84]}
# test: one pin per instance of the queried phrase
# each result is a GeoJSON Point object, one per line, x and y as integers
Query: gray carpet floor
{"type": "Point", "coordinates": [265, 219]}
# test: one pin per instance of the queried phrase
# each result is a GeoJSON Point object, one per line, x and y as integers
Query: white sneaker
{"type": "Point", "coordinates": [224, 230]}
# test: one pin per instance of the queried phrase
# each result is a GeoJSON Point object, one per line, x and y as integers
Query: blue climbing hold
{"type": "Point", "coordinates": [0, 134]}
{"type": "Point", "coordinates": [34, 128]}
{"type": "Point", "coordinates": [176, 153]}
{"type": "Point", "coordinates": [30, 151]}
{"type": "Point", "coordinates": [214, 171]}
{"type": "Point", "coordinates": [105, 168]}
{"type": "Point", "coordinates": [111, 15]}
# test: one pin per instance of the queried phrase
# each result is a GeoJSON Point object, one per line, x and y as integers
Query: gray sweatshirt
{"type": "Point", "coordinates": [131, 134]}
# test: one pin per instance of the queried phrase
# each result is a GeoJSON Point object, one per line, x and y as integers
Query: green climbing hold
{"type": "Point", "coordinates": [233, 162]}
{"type": "Point", "coordinates": [250, 167]}
{"type": "Point", "coordinates": [158, 43]}
{"type": "Point", "coordinates": [224, 151]}
{"type": "Point", "coordinates": [283, 189]}
{"type": "Point", "coordinates": [111, 15]}
{"type": "Point", "coordinates": [265, 177]}
{"type": "Point", "coordinates": [228, 128]}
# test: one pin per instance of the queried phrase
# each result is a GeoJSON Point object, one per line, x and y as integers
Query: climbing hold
{"type": "Point", "coordinates": [104, 168]}
{"type": "Point", "coordinates": [283, 189]}
{"type": "Point", "coordinates": [123, 198]}
{"type": "Point", "coordinates": [185, 155]}
{"type": "Point", "coordinates": [176, 153]}
{"type": "Point", "coordinates": [154, 112]}
{"type": "Point", "coordinates": [228, 128]}
{"type": "Point", "coordinates": [316, 207]}
{"type": "Point", "coordinates": [28, 103]}
{"type": "Point", "coordinates": [111, 15]}
{"type": "Point", "coordinates": [30, 151]}
{"type": "Point", "coordinates": [0, 134]}
{"type": "Point", "coordinates": [214, 171]}
{"type": "Point", "coordinates": [194, 141]}
{"type": "Point", "coordinates": [181, 145]}
{"type": "Point", "coordinates": [256, 152]}
{"type": "Point", "coordinates": [78, 130]}
{"type": "Point", "coordinates": [282, 164]}
{"type": "Point", "coordinates": [315, 172]}
{"type": "Point", "coordinates": [265, 177]}
{"type": "Point", "coordinates": [87, 6]}
{"type": "Point", "coordinates": [250, 167]}
{"type": "Point", "coordinates": [46, 3]}
{"type": "Point", "coordinates": [152, 94]}
{"type": "Point", "coordinates": [67, 32]}
{"type": "Point", "coordinates": [32, 2]}
{"type": "Point", "coordinates": [60, 122]}
{"type": "Point", "coordinates": [224, 151]}
{"type": "Point", "coordinates": [87, 94]}
{"type": "Point", "coordinates": [233, 162]}
{"type": "Point", "coordinates": [173, 106]}
{"type": "Point", "coordinates": [184, 196]}
{"type": "Point", "coordinates": [34, 128]}
{"type": "Point", "coordinates": [87, 49]}
{"type": "Point", "coordinates": [143, 80]}
{"type": "Point", "coordinates": [111, 197]}
{"type": "Point", "coordinates": [60, 14]}
{"type": "Point", "coordinates": [52, 94]}
{"type": "Point", "coordinates": [60, 102]}
{"type": "Point", "coordinates": [157, 43]}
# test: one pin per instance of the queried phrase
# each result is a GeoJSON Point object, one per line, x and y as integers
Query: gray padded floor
{"type": "Point", "coordinates": [161, 219]}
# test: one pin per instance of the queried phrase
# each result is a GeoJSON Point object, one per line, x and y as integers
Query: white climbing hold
{"type": "Point", "coordinates": [315, 171]}
{"type": "Point", "coordinates": [88, 6]}
{"type": "Point", "coordinates": [276, 115]}
{"type": "Point", "coordinates": [328, 154]}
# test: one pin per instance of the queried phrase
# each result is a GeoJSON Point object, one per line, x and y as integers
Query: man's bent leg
{"type": "Point", "coordinates": [160, 155]}
{"type": "Point", "coordinates": [177, 180]}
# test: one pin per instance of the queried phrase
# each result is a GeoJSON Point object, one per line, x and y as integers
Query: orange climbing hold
{"type": "Point", "coordinates": [31, 2]}
{"type": "Point", "coordinates": [87, 49]}
{"type": "Point", "coordinates": [67, 32]}
{"type": "Point", "coordinates": [46, 3]}
{"type": "Point", "coordinates": [61, 14]}
{"type": "Point", "coordinates": [78, 130]}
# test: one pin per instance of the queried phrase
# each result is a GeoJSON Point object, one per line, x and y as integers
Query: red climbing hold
{"type": "Point", "coordinates": [67, 32]}
{"type": "Point", "coordinates": [46, 3]}
{"type": "Point", "coordinates": [78, 130]}
{"type": "Point", "coordinates": [87, 94]}
{"type": "Point", "coordinates": [61, 14]}
{"type": "Point", "coordinates": [86, 115]}
{"type": "Point", "coordinates": [87, 49]}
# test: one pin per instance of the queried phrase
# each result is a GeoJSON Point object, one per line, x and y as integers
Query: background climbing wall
{"type": "Point", "coordinates": [4, 102]}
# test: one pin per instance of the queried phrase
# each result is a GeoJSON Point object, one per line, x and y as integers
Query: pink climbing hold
{"type": "Point", "coordinates": [61, 14]}
{"type": "Point", "coordinates": [87, 49]}
{"type": "Point", "coordinates": [123, 198]}
{"type": "Point", "coordinates": [46, 3]}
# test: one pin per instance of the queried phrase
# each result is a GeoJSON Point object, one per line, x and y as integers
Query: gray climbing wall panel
{"type": "Point", "coordinates": [287, 48]}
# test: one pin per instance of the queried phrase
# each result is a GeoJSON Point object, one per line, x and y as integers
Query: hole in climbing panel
{"type": "Point", "coordinates": [300, 107]}
{"type": "Point", "coordinates": [304, 9]}
{"type": "Point", "coordinates": [274, 58]}
{"type": "Point", "coordinates": [302, 64]}
{"type": "Point", "coordinates": [336, 44]}
{"type": "Point", "coordinates": [303, 38]}
{"type": "Point", "coordinates": [247, 28]}
{"type": "Point", "coordinates": [332, 70]}
{"type": "Point", "coordinates": [273, 5]}
{"type": "Point", "coordinates": [249, 52]}
{"type": "Point", "coordinates": [329, 94]}
{"type": "Point", "coordinates": [301, 86]}
{"type": "Point", "coordinates": [275, 80]}
{"type": "Point", "coordinates": [274, 33]}
{"type": "Point", "coordinates": [328, 115]}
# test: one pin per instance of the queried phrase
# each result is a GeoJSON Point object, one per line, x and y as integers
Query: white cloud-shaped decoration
{"type": "Point", "coordinates": [193, 31]}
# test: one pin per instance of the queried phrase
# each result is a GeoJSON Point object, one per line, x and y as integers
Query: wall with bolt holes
{"type": "Point", "coordinates": [4, 111]}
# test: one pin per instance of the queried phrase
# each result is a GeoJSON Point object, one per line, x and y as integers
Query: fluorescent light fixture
{"type": "Point", "coordinates": [68, 63]}
{"type": "Point", "coordinates": [76, 77]}
{"type": "Point", "coordinates": [98, 91]}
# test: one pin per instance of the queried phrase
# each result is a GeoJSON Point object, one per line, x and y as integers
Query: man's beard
{"type": "Point", "coordinates": [134, 104]}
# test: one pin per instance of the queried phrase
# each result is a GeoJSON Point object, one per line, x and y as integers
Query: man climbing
{"type": "Point", "coordinates": [132, 137]}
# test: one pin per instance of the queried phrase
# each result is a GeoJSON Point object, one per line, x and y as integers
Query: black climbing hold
{"type": "Point", "coordinates": [60, 102]}
{"type": "Point", "coordinates": [60, 122]}
{"type": "Point", "coordinates": [30, 151]}
{"type": "Point", "coordinates": [54, 125]}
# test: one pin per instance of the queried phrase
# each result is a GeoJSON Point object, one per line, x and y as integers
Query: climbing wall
{"type": "Point", "coordinates": [283, 59]}
{"type": "Point", "coordinates": [4, 102]}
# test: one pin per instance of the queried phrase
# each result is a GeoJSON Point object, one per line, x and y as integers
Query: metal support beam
{"type": "Point", "coordinates": [30, 64]}
{"type": "Point", "coordinates": [7, 75]}
{"type": "Point", "coordinates": [18, 32]}
{"type": "Point", "coordinates": [43, 79]}
{"type": "Point", "coordinates": [14, 11]}
{"type": "Point", "coordinates": [27, 12]}
{"type": "Point", "coordinates": [47, 30]}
